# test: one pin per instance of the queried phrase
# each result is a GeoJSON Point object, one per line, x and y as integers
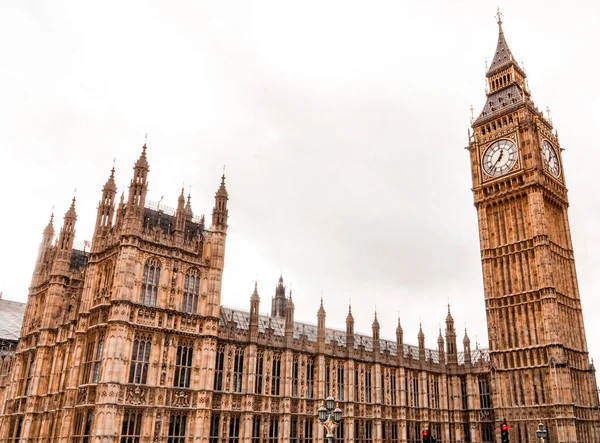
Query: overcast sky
{"type": "Point", "coordinates": [342, 126]}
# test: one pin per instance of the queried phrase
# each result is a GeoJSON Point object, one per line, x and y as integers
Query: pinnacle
{"type": "Point", "coordinates": [110, 183]}
{"type": "Point", "coordinates": [71, 212]}
{"type": "Point", "coordinates": [142, 161]}
{"type": "Point", "coordinates": [181, 200]}
{"type": "Point", "coordinates": [375, 322]}
{"type": "Point", "coordinates": [222, 191]}
{"type": "Point", "coordinates": [50, 226]}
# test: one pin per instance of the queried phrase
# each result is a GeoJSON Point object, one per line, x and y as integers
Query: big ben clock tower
{"type": "Point", "coordinates": [540, 365]}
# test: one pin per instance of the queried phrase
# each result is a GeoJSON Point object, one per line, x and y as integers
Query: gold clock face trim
{"type": "Point", "coordinates": [550, 159]}
{"type": "Point", "coordinates": [499, 157]}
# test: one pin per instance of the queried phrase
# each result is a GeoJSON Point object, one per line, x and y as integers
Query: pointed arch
{"type": "Point", "coordinates": [191, 291]}
{"type": "Point", "coordinates": [150, 282]}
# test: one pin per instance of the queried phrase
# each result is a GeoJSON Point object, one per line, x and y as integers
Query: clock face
{"type": "Point", "coordinates": [550, 158]}
{"type": "Point", "coordinates": [499, 157]}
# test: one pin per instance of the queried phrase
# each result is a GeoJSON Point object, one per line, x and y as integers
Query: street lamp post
{"type": "Point", "coordinates": [329, 417]}
{"type": "Point", "coordinates": [541, 433]}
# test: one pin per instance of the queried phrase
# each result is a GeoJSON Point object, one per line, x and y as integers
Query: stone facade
{"type": "Point", "coordinates": [130, 343]}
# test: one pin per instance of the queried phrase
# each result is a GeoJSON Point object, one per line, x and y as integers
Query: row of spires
{"type": "Point", "coordinates": [134, 213]}
{"type": "Point", "coordinates": [285, 310]}
{"type": "Point", "coordinates": [129, 216]}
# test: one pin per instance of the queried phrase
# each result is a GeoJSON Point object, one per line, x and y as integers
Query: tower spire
{"type": "Point", "coordinates": [138, 187]}
{"type": "Point", "coordinates": [506, 81]}
{"type": "Point", "coordinates": [220, 212]}
{"type": "Point", "coordinates": [44, 250]}
{"type": "Point", "coordinates": [279, 302]}
{"type": "Point", "coordinates": [106, 207]}
{"type": "Point", "coordinates": [180, 217]}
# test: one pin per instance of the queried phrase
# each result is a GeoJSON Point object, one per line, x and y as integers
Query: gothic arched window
{"type": "Point", "coordinates": [150, 281]}
{"type": "Point", "coordinates": [140, 356]}
{"type": "Point", "coordinates": [183, 366]}
{"type": "Point", "coordinates": [218, 383]}
{"type": "Point", "coordinates": [191, 290]}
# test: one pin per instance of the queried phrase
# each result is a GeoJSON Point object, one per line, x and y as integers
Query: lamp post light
{"type": "Point", "coordinates": [541, 433]}
{"type": "Point", "coordinates": [329, 417]}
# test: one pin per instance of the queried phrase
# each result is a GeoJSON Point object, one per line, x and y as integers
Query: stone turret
{"type": "Point", "coordinates": [441, 355]}
{"type": "Point", "coordinates": [349, 331]}
{"type": "Point", "coordinates": [220, 213]}
{"type": "Point", "coordinates": [64, 245]}
{"type": "Point", "coordinates": [106, 209]}
{"type": "Point", "coordinates": [376, 340]}
{"type": "Point", "coordinates": [289, 320]}
{"type": "Point", "coordinates": [467, 348]}
{"type": "Point", "coordinates": [279, 301]}
{"type": "Point", "coordinates": [421, 340]}
{"type": "Point", "coordinates": [44, 252]}
{"type": "Point", "coordinates": [321, 327]}
{"type": "Point", "coordinates": [399, 341]}
{"type": "Point", "coordinates": [451, 350]}
{"type": "Point", "coordinates": [254, 306]}
{"type": "Point", "coordinates": [138, 188]}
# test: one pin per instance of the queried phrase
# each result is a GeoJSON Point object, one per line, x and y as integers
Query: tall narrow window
{"type": "Point", "coordinates": [191, 290]}
{"type": "Point", "coordinates": [463, 392]}
{"type": "Point", "coordinates": [183, 366]}
{"type": "Point", "coordinates": [140, 356]}
{"type": "Point", "coordinates": [256, 429]}
{"type": "Point", "coordinates": [340, 381]}
{"type": "Point", "coordinates": [276, 374]}
{"type": "Point", "coordinates": [487, 432]}
{"type": "Point", "coordinates": [234, 429]}
{"type": "Point", "coordinates": [382, 388]}
{"type": "Point", "coordinates": [218, 385]}
{"type": "Point", "coordinates": [415, 391]}
{"type": "Point", "coordinates": [356, 380]}
{"type": "Point", "coordinates": [177, 425]}
{"type": "Point", "coordinates": [308, 431]}
{"type": "Point", "coordinates": [327, 378]}
{"type": "Point", "coordinates": [238, 370]}
{"type": "Point", "coordinates": [132, 426]}
{"type": "Point", "coordinates": [394, 432]}
{"type": "Point", "coordinates": [213, 436]}
{"type": "Point", "coordinates": [295, 371]}
{"type": "Point", "coordinates": [98, 360]}
{"type": "Point", "coordinates": [310, 378]}
{"type": "Point", "coordinates": [368, 385]}
{"type": "Point", "coordinates": [436, 392]}
{"type": "Point", "coordinates": [259, 373]}
{"type": "Point", "coordinates": [368, 431]}
{"type": "Point", "coordinates": [485, 401]}
{"type": "Point", "coordinates": [274, 430]}
{"type": "Point", "coordinates": [15, 428]}
{"type": "Point", "coordinates": [83, 425]}
{"type": "Point", "coordinates": [29, 376]}
{"type": "Point", "coordinates": [467, 432]}
{"type": "Point", "coordinates": [93, 360]}
{"type": "Point", "coordinates": [294, 430]}
{"type": "Point", "coordinates": [393, 388]}
{"type": "Point", "coordinates": [150, 281]}
{"type": "Point", "coordinates": [339, 432]}
{"type": "Point", "coordinates": [407, 399]}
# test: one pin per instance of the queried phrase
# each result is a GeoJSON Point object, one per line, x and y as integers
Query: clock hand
{"type": "Point", "coordinates": [499, 158]}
